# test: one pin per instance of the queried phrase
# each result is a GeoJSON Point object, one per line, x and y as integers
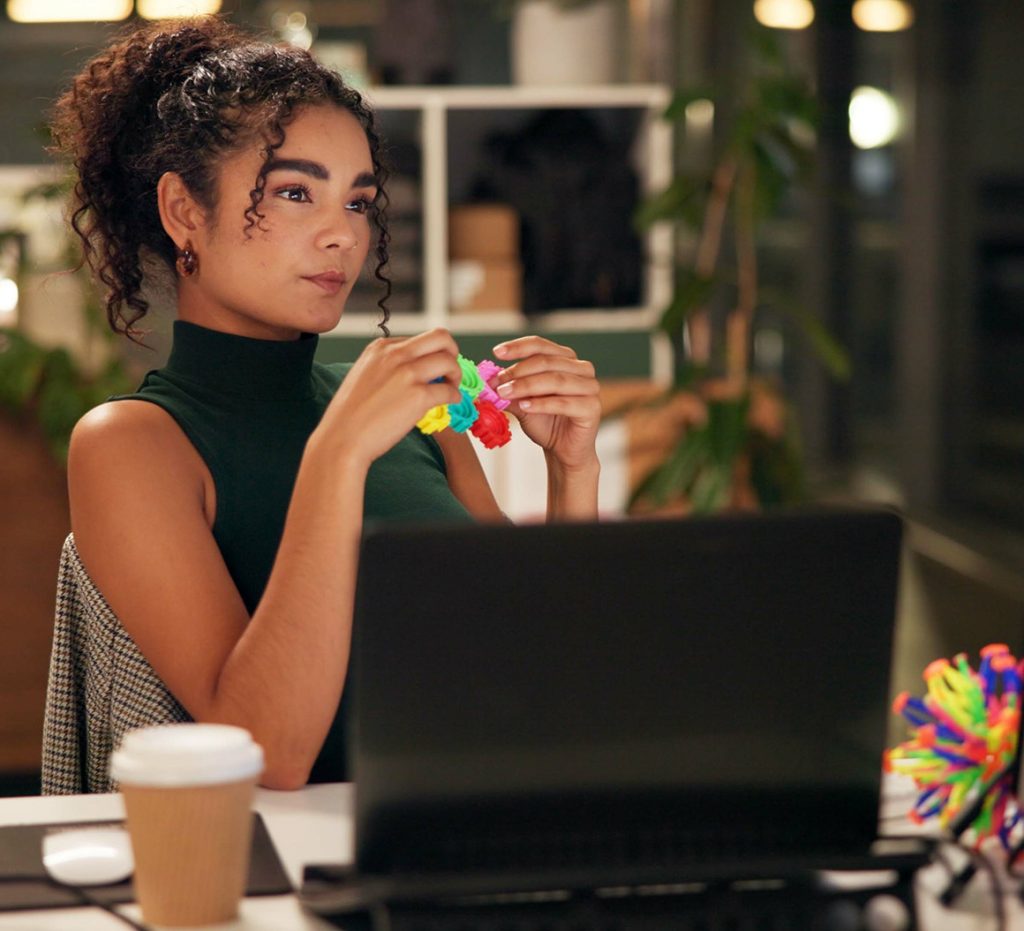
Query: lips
{"type": "Point", "coordinates": [331, 281]}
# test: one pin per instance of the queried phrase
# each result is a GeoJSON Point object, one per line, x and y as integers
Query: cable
{"type": "Point", "coordinates": [86, 897]}
{"type": "Point", "coordinates": [997, 893]}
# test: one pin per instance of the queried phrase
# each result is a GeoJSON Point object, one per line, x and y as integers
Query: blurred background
{"type": "Point", "coordinates": [790, 235]}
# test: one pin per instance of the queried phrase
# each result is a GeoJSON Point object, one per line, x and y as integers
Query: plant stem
{"type": "Point", "coordinates": [741, 318]}
{"type": "Point", "coordinates": [708, 247]}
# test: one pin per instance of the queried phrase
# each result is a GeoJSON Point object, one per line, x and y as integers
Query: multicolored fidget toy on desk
{"type": "Point", "coordinates": [965, 742]}
{"type": "Point", "coordinates": [481, 410]}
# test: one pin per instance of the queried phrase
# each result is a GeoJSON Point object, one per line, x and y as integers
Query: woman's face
{"type": "Point", "coordinates": [293, 271]}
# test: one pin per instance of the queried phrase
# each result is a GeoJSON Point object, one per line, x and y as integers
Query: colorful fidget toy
{"type": "Point", "coordinates": [481, 410]}
{"type": "Point", "coordinates": [965, 742]}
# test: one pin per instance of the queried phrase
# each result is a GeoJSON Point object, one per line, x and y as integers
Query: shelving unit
{"type": "Point", "coordinates": [422, 122]}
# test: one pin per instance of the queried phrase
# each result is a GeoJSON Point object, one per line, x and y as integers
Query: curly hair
{"type": "Point", "coordinates": [179, 98]}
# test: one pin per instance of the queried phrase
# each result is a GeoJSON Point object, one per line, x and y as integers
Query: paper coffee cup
{"type": "Point", "coordinates": [188, 792]}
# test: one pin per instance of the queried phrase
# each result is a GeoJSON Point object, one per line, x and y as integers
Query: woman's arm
{"type": "Point", "coordinates": [141, 513]}
{"type": "Point", "coordinates": [466, 476]}
{"type": "Point", "coordinates": [572, 493]}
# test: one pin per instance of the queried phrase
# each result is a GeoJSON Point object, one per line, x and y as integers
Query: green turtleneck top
{"type": "Point", "coordinates": [248, 407]}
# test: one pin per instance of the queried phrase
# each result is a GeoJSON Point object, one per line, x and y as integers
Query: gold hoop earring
{"type": "Point", "coordinates": [187, 262]}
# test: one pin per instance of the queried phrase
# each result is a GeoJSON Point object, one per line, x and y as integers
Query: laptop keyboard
{"type": "Point", "coordinates": [713, 909]}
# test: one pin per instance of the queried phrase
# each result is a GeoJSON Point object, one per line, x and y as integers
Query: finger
{"type": "Point", "coordinates": [437, 393]}
{"type": "Point", "coordinates": [549, 383]}
{"type": "Point", "coordinates": [436, 365]}
{"type": "Point", "coordinates": [525, 346]}
{"type": "Point", "coordinates": [541, 363]}
{"type": "Point", "coordinates": [435, 340]}
{"type": "Point", "coordinates": [575, 407]}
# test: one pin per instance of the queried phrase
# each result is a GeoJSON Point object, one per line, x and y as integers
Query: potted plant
{"type": "Point", "coordinates": [48, 386]}
{"type": "Point", "coordinates": [735, 443]}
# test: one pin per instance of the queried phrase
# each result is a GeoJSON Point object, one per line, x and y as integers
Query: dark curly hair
{"type": "Point", "coordinates": [178, 98]}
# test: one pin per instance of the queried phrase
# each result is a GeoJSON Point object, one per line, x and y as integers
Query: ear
{"type": "Point", "coordinates": [180, 213]}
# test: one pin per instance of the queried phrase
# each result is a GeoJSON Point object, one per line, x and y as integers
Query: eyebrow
{"type": "Point", "coordinates": [318, 171]}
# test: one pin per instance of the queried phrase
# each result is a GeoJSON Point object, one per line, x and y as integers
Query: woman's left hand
{"type": "Point", "coordinates": [554, 396]}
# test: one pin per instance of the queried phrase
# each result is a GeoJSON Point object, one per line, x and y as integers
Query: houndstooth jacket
{"type": "Point", "coordinates": [100, 686]}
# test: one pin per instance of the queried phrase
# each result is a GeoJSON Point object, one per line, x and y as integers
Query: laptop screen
{"type": "Point", "coordinates": [722, 678]}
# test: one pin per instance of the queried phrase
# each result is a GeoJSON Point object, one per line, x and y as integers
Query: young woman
{"type": "Point", "coordinates": [219, 509]}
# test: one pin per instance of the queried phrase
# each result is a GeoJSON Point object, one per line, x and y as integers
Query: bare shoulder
{"type": "Point", "coordinates": [131, 433]}
{"type": "Point", "coordinates": [123, 424]}
{"type": "Point", "coordinates": [122, 453]}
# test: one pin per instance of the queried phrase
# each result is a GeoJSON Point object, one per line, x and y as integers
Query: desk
{"type": "Point", "coordinates": [310, 826]}
{"type": "Point", "coordinates": [314, 825]}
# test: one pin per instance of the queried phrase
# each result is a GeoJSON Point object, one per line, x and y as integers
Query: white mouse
{"type": "Point", "coordinates": [88, 856]}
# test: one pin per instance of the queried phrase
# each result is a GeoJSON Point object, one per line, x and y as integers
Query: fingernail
{"type": "Point", "coordinates": [500, 350]}
{"type": "Point", "coordinates": [525, 405]}
{"type": "Point", "coordinates": [505, 390]}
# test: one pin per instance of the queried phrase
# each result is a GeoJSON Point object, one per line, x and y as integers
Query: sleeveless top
{"type": "Point", "coordinates": [248, 407]}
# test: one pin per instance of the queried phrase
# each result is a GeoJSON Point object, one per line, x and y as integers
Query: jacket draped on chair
{"type": "Point", "coordinates": [100, 686]}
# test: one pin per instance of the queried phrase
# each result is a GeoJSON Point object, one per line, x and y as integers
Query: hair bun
{"type": "Point", "coordinates": [173, 49]}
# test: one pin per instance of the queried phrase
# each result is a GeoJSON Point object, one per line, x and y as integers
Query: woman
{"type": "Point", "coordinates": [219, 509]}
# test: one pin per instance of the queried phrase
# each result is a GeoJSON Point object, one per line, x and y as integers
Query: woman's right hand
{"type": "Point", "coordinates": [392, 384]}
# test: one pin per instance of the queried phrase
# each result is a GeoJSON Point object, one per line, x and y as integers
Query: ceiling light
{"type": "Point", "coordinates": [172, 9]}
{"type": "Point", "coordinates": [874, 118]}
{"type": "Point", "coordinates": [67, 11]}
{"type": "Point", "coordinates": [883, 15]}
{"type": "Point", "coordinates": [784, 14]}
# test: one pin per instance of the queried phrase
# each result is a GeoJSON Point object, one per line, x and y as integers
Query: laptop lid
{"type": "Point", "coordinates": [593, 694]}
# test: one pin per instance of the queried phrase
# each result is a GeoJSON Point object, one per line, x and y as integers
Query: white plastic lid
{"type": "Point", "coordinates": [186, 755]}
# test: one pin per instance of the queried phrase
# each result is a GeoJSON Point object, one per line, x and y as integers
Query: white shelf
{"type": "Point", "coordinates": [511, 97]}
{"type": "Point", "coordinates": [651, 157]}
{"type": "Point", "coordinates": [503, 321]}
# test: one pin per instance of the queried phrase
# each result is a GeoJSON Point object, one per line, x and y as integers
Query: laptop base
{"type": "Point", "coordinates": [832, 893]}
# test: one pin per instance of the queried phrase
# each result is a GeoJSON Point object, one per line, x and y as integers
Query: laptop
{"type": "Point", "coordinates": [620, 705]}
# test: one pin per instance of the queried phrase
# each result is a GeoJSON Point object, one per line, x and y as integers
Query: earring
{"type": "Point", "coordinates": [187, 262]}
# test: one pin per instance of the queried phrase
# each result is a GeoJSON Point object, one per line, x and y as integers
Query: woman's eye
{"type": "Point", "coordinates": [298, 193]}
{"type": "Point", "coordinates": [360, 205]}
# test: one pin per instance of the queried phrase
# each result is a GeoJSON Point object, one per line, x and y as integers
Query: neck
{"type": "Point", "coordinates": [194, 306]}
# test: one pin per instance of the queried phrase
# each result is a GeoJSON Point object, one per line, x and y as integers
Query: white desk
{"type": "Point", "coordinates": [314, 825]}
{"type": "Point", "coordinates": [311, 826]}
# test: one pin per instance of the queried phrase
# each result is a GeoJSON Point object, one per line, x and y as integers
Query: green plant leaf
{"type": "Point", "coordinates": [776, 467]}
{"type": "Point", "coordinates": [692, 292]}
{"type": "Point", "coordinates": [21, 367]}
{"type": "Point", "coordinates": [677, 473]}
{"type": "Point", "coordinates": [711, 489]}
{"type": "Point", "coordinates": [766, 46]}
{"type": "Point", "coordinates": [784, 97]}
{"type": "Point", "coordinates": [727, 430]}
{"type": "Point", "coordinates": [683, 201]}
{"type": "Point", "coordinates": [829, 350]}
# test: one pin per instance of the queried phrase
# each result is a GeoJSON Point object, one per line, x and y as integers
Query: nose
{"type": "Point", "coordinates": [340, 232]}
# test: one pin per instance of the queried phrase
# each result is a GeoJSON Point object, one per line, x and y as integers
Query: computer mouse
{"type": "Point", "coordinates": [88, 856]}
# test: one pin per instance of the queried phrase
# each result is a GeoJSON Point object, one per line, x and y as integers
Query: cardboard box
{"type": "Point", "coordinates": [489, 232]}
{"type": "Point", "coordinates": [485, 285]}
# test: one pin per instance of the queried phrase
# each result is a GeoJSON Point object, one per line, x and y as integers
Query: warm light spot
{"type": "Point", "coordinates": [700, 114]}
{"type": "Point", "coordinates": [784, 14]}
{"type": "Point", "coordinates": [67, 11]}
{"type": "Point", "coordinates": [874, 118]}
{"type": "Point", "coordinates": [293, 27]}
{"type": "Point", "coordinates": [172, 9]}
{"type": "Point", "coordinates": [883, 15]}
{"type": "Point", "coordinates": [8, 301]}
